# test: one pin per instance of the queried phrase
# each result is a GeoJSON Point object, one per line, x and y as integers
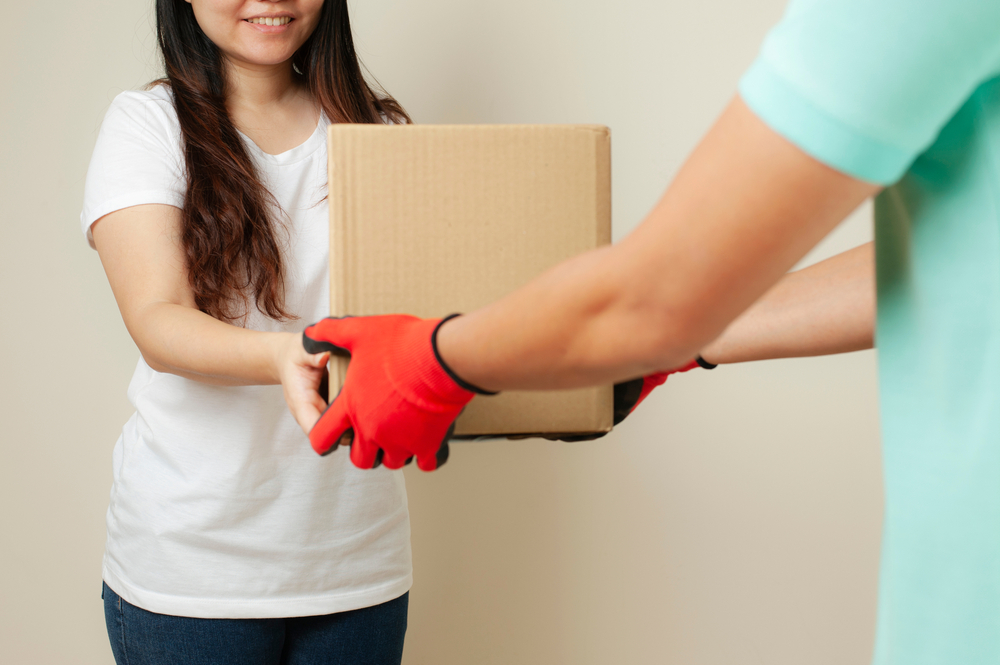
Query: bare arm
{"type": "Point", "coordinates": [823, 309]}
{"type": "Point", "coordinates": [141, 252]}
{"type": "Point", "coordinates": [746, 206]}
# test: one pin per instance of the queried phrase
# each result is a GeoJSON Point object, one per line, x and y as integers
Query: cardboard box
{"type": "Point", "coordinates": [430, 220]}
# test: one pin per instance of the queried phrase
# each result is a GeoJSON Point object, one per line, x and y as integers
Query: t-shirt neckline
{"type": "Point", "coordinates": [299, 152]}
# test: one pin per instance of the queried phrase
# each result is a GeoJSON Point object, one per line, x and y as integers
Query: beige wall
{"type": "Point", "coordinates": [735, 519]}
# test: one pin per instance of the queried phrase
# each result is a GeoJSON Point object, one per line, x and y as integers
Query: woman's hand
{"type": "Point", "coordinates": [301, 374]}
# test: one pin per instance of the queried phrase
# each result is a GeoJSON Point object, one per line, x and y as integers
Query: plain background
{"type": "Point", "coordinates": [734, 519]}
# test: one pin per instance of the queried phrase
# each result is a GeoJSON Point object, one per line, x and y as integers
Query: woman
{"type": "Point", "coordinates": [228, 542]}
{"type": "Point", "coordinates": [847, 97]}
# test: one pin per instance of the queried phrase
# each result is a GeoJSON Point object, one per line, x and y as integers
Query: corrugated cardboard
{"type": "Point", "coordinates": [430, 220]}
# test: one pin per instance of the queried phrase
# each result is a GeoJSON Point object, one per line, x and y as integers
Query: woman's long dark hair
{"type": "Point", "coordinates": [229, 235]}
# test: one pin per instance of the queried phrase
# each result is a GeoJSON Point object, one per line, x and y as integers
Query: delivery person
{"type": "Point", "coordinates": [847, 97]}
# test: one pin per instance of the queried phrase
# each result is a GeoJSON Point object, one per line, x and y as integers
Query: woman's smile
{"type": "Point", "coordinates": [269, 24]}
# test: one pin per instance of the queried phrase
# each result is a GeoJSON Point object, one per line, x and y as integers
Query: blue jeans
{"type": "Point", "coordinates": [369, 636]}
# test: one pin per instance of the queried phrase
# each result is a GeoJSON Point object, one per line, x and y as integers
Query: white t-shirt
{"type": "Point", "coordinates": [219, 507]}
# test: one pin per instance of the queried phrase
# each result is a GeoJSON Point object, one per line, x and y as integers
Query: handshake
{"type": "Point", "coordinates": [400, 399]}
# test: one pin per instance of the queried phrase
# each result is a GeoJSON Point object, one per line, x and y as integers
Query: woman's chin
{"type": "Point", "coordinates": [261, 58]}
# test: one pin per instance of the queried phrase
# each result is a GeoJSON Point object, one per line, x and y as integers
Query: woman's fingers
{"type": "Point", "coordinates": [301, 375]}
{"type": "Point", "coordinates": [319, 359]}
{"type": "Point", "coordinates": [306, 405]}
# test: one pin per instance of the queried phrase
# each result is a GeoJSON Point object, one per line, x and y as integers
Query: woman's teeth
{"type": "Point", "coordinates": [281, 20]}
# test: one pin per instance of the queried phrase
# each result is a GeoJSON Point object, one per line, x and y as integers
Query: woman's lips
{"type": "Point", "coordinates": [268, 24]}
{"type": "Point", "coordinates": [269, 20]}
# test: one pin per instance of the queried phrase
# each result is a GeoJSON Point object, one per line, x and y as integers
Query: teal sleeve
{"type": "Point", "coordinates": [865, 86]}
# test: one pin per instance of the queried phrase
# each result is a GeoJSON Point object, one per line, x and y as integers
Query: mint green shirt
{"type": "Point", "coordinates": [907, 94]}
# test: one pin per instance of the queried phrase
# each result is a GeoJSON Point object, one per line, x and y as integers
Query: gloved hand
{"type": "Point", "coordinates": [629, 394]}
{"type": "Point", "coordinates": [399, 400]}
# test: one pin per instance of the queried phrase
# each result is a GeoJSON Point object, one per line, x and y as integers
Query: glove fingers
{"type": "Point", "coordinates": [398, 454]}
{"type": "Point", "coordinates": [630, 394]}
{"type": "Point", "coordinates": [333, 426]}
{"type": "Point", "coordinates": [395, 459]}
{"type": "Point", "coordinates": [333, 334]}
{"type": "Point", "coordinates": [365, 454]}
{"type": "Point", "coordinates": [318, 346]}
{"type": "Point", "coordinates": [436, 460]}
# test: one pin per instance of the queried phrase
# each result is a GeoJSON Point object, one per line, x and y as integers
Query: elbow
{"type": "Point", "coordinates": [145, 326]}
{"type": "Point", "coordinates": [662, 320]}
{"type": "Point", "coordinates": [657, 336]}
{"type": "Point", "coordinates": [679, 334]}
{"type": "Point", "coordinates": [146, 347]}
{"type": "Point", "coordinates": [153, 364]}
{"type": "Point", "coordinates": [630, 324]}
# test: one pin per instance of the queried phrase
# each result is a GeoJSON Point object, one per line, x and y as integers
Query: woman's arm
{"type": "Point", "coordinates": [142, 255]}
{"type": "Point", "coordinates": [746, 206]}
{"type": "Point", "coordinates": [823, 309]}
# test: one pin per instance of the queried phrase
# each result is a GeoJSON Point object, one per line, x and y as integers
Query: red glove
{"type": "Point", "coordinates": [398, 401]}
{"type": "Point", "coordinates": [629, 395]}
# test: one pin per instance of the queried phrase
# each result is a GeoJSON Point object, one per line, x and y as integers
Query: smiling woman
{"type": "Point", "coordinates": [258, 33]}
{"type": "Point", "coordinates": [228, 540]}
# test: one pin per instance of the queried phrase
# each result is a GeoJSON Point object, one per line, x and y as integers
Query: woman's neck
{"type": "Point", "coordinates": [268, 105]}
{"type": "Point", "coordinates": [255, 88]}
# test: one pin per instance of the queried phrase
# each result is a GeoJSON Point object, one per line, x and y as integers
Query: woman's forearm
{"type": "Point", "coordinates": [184, 341]}
{"type": "Point", "coordinates": [823, 309]}
{"type": "Point", "coordinates": [145, 265]}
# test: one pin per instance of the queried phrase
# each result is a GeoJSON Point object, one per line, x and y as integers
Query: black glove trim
{"type": "Point", "coordinates": [465, 385]}
{"type": "Point", "coordinates": [704, 364]}
{"type": "Point", "coordinates": [314, 346]}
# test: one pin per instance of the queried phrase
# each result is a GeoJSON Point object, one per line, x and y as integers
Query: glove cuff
{"type": "Point", "coordinates": [704, 364]}
{"type": "Point", "coordinates": [417, 374]}
{"type": "Point", "coordinates": [462, 383]}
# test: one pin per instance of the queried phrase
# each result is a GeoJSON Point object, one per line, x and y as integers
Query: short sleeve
{"type": "Point", "coordinates": [865, 86]}
{"type": "Point", "coordinates": [137, 158]}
